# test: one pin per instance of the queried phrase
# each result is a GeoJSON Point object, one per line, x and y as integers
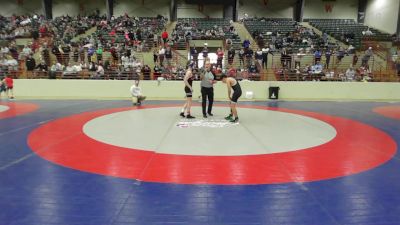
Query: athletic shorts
{"type": "Point", "coordinates": [10, 88]}
{"type": "Point", "coordinates": [188, 92]}
{"type": "Point", "coordinates": [235, 96]}
{"type": "Point", "coordinates": [3, 88]}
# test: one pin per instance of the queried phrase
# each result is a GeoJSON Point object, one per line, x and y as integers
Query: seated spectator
{"type": "Point", "coordinates": [99, 72]}
{"type": "Point", "coordinates": [30, 63]}
{"type": "Point", "coordinates": [253, 69]}
{"type": "Point", "coordinates": [146, 71]}
{"type": "Point", "coordinates": [231, 72]}
{"type": "Point", "coordinates": [350, 74]}
{"type": "Point", "coordinates": [69, 70]}
{"type": "Point", "coordinates": [317, 68]}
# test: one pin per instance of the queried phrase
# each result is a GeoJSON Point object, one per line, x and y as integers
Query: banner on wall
{"type": "Point", "coordinates": [328, 8]}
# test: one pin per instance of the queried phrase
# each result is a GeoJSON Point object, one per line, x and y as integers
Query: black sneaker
{"type": "Point", "coordinates": [182, 114]}
{"type": "Point", "coordinates": [190, 117]}
{"type": "Point", "coordinates": [210, 114]}
{"type": "Point", "coordinates": [234, 120]}
{"type": "Point", "coordinates": [204, 116]}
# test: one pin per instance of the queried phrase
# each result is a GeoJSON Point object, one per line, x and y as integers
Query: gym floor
{"type": "Point", "coordinates": [88, 162]}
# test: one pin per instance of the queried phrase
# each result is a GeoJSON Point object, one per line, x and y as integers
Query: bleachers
{"type": "Point", "coordinates": [143, 29]}
{"type": "Point", "coordinates": [205, 29]}
{"type": "Point", "coordinates": [348, 28]}
{"type": "Point", "coordinates": [282, 32]}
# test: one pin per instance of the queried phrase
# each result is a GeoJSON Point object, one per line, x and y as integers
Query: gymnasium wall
{"type": "Point", "coordinates": [8, 8]}
{"type": "Point", "coordinates": [78, 7]}
{"type": "Point", "coordinates": [382, 15]}
{"type": "Point", "coordinates": [273, 8]}
{"type": "Point", "coordinates": [168, 90]}
{"type": "Point", "coordinates": [150, 8]}
{"type": "Point", "coordinates": [341, 9]}
{"type": "Point", "coordinates": [192, 11]}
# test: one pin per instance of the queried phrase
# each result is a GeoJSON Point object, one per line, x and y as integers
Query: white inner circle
{"type": "Point", "coordinates": [259, 132]}
{"type": "Point", "coordinates": [4, 108]}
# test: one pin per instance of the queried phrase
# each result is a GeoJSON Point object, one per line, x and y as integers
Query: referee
{"type": "Point", "coordinates": [207, 90]}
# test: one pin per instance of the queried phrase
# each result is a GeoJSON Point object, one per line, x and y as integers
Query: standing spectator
{"type": "Point", "coordinates": [284, 58]}
{"type": "Point", "coordinates": [231, 56]}
{"type": "Point", "coordinates": [246, 43]}
{"type": "Point", "coordinates": [155, 56]}
{"type": "Point", "coordinates": [195, 56]}
{"type": "Point", "coordinates": [340, 55]}
{"type": "Point", "coordinates": [90, 53]}
{"type": "Point", "coordinates": [241, 57]}
{"type": "Point", "coordinates": [207, 90]}
{"type": "Point", "coordinates": [164, 36]}
{"type": "Point", "coordinates": [99, 53]}
{"type": "Point", "coordinates": [168, 55]}
{"type": "Point", "coordinates": [328, 54]}
{"type": "Point", "coordinates": [249, 56]}
{"type": "Point", "coordinates": [205, 53]}
{"type": "Point", "coordinates": [297, 58]}
{"type": "Point", "coordinates": [265, 52]}
{"type": "Point", "coordinates": [9, 86]}
{"type": "Point", "coordinates": [317, 56]}
{"type": "Point", "coordinates": [26, 51]}
{"type": "Point", "coordinates": [30, 65]}
{"type": "Point", "coordinates": [259, 58]}
{"type": "Point", "coordinates": [367, 56]}
{"type": "Point", "coordinates": [161, 55]}
{"type": "Point", "coordinates": [355, 59]}
{"type": "Point", "coordinates": [220, 57]}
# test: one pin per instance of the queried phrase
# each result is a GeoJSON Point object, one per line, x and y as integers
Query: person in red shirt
{"type": "Point", "coordinates": [164, 36]}
{"type": "Point", "coordinates": [9, 86]}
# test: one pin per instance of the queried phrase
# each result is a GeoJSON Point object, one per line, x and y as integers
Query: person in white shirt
{"type": "Point", "coordinates": [137, 97]}
{"type": "Point", "coordinates": [350, 74]}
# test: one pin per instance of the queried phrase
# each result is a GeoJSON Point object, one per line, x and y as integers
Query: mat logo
{"type": "Point", "coordinates": [214, 123]}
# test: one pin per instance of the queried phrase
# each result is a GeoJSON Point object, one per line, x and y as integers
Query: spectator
{"type": "Point", "coordinates": [161, 55]}
{"type": "Point", "coordinates": [136, 91]}
{"type": "Point", "coordinates": [231, 56]}
{"type": "Point", "coordinates": [317, 56]}
{"type": "Point", "coordinates": [30, 64]}
{"type": "Point", "coordinates": [350, 74]}
{"type": "Point", "coordinates": [241, 57]}
{"type": "Point", "coordinates": [220, 56]}
{"type": "Point", "coordinates": [367, 56]}
{"type": "Point", "coordinates": [164, 36]}
{"type": "Point", "coordinates": [168, 55]}
{"type": "Point", "coordinates": [205, 53]}
{"type": "Point", "coordinates": [355, 59]}
{"type": "Point", "coordinates": [328, 55]}
{"type": "Point", "coordinates": [246, 43]}
{"type": "Point", "coordinates": [9, 86]}
{"type": "Point", "coordinates": [265, 52]}
{"type": "Point", "coordinates": [195, 56]}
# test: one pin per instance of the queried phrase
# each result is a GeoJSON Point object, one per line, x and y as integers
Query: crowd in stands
{"type": "Point", "coordinates": [113, 50]}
